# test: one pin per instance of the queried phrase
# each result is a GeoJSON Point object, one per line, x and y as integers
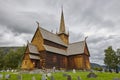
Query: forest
{"type": "Point", "coordinates": [11, 57]}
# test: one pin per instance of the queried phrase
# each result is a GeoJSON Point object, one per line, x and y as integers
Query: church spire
{"type": "Point", "coordinates": [62, 23]}
{"type": "Point", "coordinates": [62, 32]}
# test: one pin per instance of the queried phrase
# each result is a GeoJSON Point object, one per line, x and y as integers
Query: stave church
{"type": "Point", "coordinates": [47, 50]}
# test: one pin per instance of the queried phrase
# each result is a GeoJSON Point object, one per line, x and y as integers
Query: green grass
{"type": "Point", "coordinates": [59, 76]}
{"type": "Point", "coordinates": [101, 76]}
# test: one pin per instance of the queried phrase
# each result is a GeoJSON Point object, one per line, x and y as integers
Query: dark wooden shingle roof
{"type": "Point", "coordinates": [76, 48]}
{"type": "Point", "coordinates": [72, 49]}
{"type": "Point", "coordinates": [33, 48]}
{"type": "Point", "coordinates": [51, 37]}
{"type": "Point", "coordinates": [36, 57]}
{"type": "Point", "coordinates": [55, 50]}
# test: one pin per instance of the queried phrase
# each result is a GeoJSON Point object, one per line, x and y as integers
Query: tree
{"type": "Point", "coordinates": [111, 58]}
{"type": "Point", "coordinates": [20, 55]}
{"type": "Point", "coordinates": [118, 55]}
{"type": "Point", "coordinates": [2, 54]}
{"type": "Point", "coordinates": [115, 62]}
{"type": "Point", "coordinates": [13, 58]}
{"type": "Point", "coordinates": [117, 59]}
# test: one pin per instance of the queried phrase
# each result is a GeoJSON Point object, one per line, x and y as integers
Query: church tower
{"type": "Point", "coordinates": [62, 32]}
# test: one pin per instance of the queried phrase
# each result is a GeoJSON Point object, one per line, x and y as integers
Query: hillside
{"type": "Point", "coordinates": [94, 65]}
{"type": "Point", "coordinates": [7, 49]}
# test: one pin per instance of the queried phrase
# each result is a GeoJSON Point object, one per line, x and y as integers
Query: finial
{"type": "Point", "coordinates": [86, 38]}
{"type": "Point", "coordinates": [37, 23]}
{"type": "Point", "coordinates": [62, 7]}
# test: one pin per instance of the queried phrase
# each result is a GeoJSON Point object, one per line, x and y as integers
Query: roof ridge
{"type": "Point", "coordinates": [47, 31]}
{"type": "Point", "coordinates": [76, 42]}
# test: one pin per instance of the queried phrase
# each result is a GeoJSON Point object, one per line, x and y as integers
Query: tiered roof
{"type": "Point", "coordinates": [34, 53]}
{"type": "Point", "coordinates": [71, 49]}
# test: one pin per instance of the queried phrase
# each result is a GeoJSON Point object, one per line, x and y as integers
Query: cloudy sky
{"type": "Point", "coordinates": [97, 19]}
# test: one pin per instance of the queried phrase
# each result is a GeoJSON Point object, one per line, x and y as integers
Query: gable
{"type": "Point", "coordinates": [86, 50]}
{"type": "Point", "coordinates": [26, 54]}
{"type": "Point", "coordinates": [26, 62]}
{"type": "Point", "coordinates": [38, 40]}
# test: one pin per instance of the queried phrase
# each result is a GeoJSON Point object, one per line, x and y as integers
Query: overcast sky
{"type": "Point", "coordinates": [97, 19]}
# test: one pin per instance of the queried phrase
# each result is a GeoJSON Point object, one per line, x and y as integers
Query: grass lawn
{"type": "Point", "coordinates": [59, 76]}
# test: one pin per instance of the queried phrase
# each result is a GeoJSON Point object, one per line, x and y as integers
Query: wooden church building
{"type": "Point", "coordinates": [48, 50]}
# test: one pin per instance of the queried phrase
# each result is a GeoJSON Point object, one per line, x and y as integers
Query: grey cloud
{"type": "Point", "coordinates": [98, 18]}
{"type": "Point", "coordinates": [76, 37]}
{"type": "Point", "coordinates": [92, 14]}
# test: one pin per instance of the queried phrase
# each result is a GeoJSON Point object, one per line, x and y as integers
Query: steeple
{"type": "Point", "coordinates": [62, 24]}
{"type": "Point", "coordinates": [62, 32]}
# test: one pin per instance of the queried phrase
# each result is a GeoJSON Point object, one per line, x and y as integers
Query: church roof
{"type": "Point", "coordinates": [34, 57]}
{"type": "Point", "coordinates": [51, 37]}
{"type": "Point", "coordinates": [55, 50]}
{"type": "Point", "coordinates": [76, 48]}
{"type": "Point", "coordinates": [33, 48]}
{"type": "Point", "coordinates": [73, 49]}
